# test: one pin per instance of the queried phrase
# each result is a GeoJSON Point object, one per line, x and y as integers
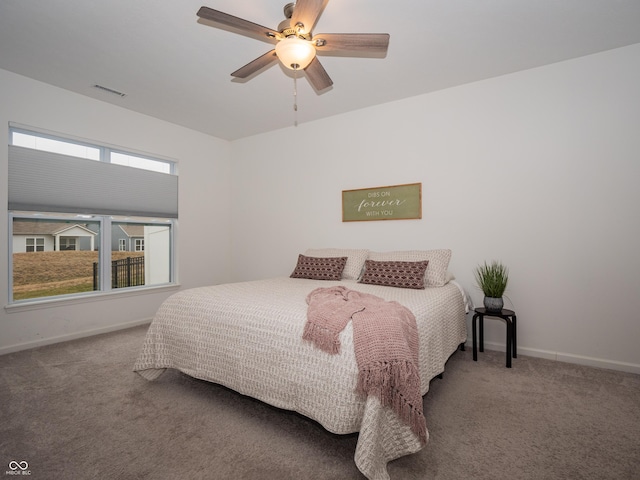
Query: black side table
{"type": "Point", "coordinates": [508, 316]}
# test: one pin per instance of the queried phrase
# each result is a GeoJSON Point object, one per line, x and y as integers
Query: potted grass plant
{"type": "Point", "coordinates": [492, 279]}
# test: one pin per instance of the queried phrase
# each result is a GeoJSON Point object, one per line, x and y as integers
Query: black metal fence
{"type": "Point", "coordinates": [126, 272]}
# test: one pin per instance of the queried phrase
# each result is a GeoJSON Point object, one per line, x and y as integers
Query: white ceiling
{"type": "Point", "coordinates": [175, 68]}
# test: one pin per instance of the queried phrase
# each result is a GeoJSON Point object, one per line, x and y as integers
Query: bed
{"type": "Point", "coordinates": [247, 336]}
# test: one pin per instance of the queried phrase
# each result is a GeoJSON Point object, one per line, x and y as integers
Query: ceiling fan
{"type": "Point", "coordinates": [295, 45]}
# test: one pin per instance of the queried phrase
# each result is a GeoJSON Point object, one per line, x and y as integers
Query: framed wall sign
{"type": "Point", "coordinates": [396, 202]}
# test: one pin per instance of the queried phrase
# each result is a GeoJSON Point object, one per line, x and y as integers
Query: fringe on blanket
{"type": "Point", "coordinates": [323, 338]}
{"type": "Point", "coordinates": [382, 380]}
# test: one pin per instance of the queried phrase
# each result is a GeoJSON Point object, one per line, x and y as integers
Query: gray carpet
{"type": "Point", "coordinates": [77, 411]}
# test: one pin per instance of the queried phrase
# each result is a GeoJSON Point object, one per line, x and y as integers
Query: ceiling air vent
{"type": "Point", "coordinates": [109, 90]}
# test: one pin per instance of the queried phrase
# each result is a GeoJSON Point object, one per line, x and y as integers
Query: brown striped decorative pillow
{"type": "Point", "coordinates": [314, 268]}
{"type": "Point", "coordinates": [395, 274]}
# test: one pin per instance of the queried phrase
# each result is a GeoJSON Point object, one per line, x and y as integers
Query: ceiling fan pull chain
{"type": "Point", "coordinates": [295, 97]}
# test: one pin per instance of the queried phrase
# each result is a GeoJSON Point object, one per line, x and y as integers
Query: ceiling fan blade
{"type": "Point", "coordinates": [306, 12]}
{"type": "Point", "coordinates": [255, 65]}
{"type": "Point", "coordinates": [317, 75]}
{"type": "Point", "coordinates": [371, 44]}
{"type": "Point", "coordinates": [239, 25]}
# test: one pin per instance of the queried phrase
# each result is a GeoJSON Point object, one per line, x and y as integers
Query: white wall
{"type": "Point", "coordinates": [538, 169]}
{"type": "Point", "coordinates": [203, 237]}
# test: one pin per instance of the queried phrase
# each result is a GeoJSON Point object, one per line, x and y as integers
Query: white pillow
{"type": "Point", "coordinates": [436, 274]}
{"type": "Point", "coordinates": [355, 259]}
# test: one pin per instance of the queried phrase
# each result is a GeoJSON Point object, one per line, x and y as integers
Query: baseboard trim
{"type": "Point", "coordinates": [72, 336]}
{"type": "Point", "coordinates": [530, 352]}
{"type": "Point", "coordinates": [565, 357]}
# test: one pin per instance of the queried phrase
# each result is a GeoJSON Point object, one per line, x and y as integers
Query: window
{"type": "Point", "coordinates": [50, 271]}
{"type": "Point", "coordinates": [113, 228]}
{"type": "Point", "coordinates": [49, 144]}
{"type": "Point", "coordinates": [67, 243]}
{"type": "Point", "coordinates": [34, 245]}
{"type": "Point", "coordinates": [139, 162]}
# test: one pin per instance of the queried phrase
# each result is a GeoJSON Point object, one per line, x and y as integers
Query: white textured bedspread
{"type": "Point", "coordinates": [248, 337]}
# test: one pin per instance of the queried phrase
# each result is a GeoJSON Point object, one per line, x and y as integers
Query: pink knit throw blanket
{"type": "Point", "coordinates": [385, 338]}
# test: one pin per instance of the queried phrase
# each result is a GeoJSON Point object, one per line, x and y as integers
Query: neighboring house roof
{"type": "Point", "coordinates": [133, 230]}
{"type": "Point", "coordinates": [46, 228]}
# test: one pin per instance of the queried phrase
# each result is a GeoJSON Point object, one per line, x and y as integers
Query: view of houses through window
{"type": "Point", "coordinates": [61, 262]}
{"type": "Point", "coordinates": [53, 256]}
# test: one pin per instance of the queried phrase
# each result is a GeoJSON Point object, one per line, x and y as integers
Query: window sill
{"type": "Point", "coordinates": [35, 304]}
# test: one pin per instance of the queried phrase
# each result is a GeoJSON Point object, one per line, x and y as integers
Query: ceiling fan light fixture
{"type": "Point", "coordinates": [295, 53]}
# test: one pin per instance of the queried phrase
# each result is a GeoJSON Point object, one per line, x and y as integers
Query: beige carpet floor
{"type": "Point", "coordinates": [77, 411]}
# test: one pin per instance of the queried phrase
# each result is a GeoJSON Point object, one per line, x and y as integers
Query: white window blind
{"type": "Point", "coordinates": [52, 182]}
